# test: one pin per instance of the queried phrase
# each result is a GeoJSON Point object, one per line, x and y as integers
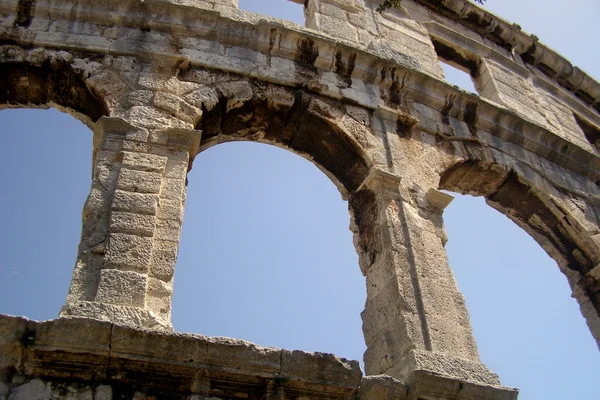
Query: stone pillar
{"type": "Point", "coordinates": [131, 226]}
{"type": "Point", "coordinates": [415, 320]}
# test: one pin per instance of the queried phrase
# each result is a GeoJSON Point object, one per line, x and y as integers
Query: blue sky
{"type": "Point", "coordinates": [266, 253]}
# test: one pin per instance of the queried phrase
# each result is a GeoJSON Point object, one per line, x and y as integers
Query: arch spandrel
{"type": "Point", "coordinates": [168, 79]}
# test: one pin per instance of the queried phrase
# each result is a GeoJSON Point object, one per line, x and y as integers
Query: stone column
{"type": "Point", "coordinates": [131, 225]}
{"type": "Point", "coordinates": [415, 320]}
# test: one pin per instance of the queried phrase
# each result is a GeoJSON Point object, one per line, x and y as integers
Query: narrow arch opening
{"type": "Point", "coordinates": [45, 178]}
{"type": "Point", "coordinates": [266, 254]}
{"type": "Point", "coordinates": [458, 77]}
{"type": "Point", "coordinates": [528, 328]}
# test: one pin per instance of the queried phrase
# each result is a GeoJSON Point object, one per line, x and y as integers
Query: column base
{"type": "Point", "coordinates": [442, 365]}
{"type": "Point", "coordinates": [126, 316]}
{"type": "Point", "coordinates": [425, 385]}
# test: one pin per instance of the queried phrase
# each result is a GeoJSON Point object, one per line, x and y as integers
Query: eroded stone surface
{"type": "Point", "coordinates": [84, 359]}
{"type": "Point", "coordinates": [362, 96]}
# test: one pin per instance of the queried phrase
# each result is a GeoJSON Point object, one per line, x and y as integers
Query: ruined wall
{"type": "Point", "coordinates": [361, 95]}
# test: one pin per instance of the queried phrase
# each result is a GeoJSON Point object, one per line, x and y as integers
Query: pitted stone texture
{"type": "Point", "coordinates": [362, 96]}
{"type": "Point", "coordinates": [382, 387]}
{"type": "Point", "coordinates": [145, 364]}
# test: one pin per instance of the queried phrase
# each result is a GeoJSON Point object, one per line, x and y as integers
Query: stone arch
{"type": "Point", "coordinates": [249, 207]}
{"type": "Point", "coordinates": [45, 79]}
{"type": "Point", "coordinates": [543, 212]}
{"type": "Point", "coordinates": [292, 119]}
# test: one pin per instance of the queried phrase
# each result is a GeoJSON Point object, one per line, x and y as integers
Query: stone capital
{"type": "Point", "coordinates": [182, 139]}
{"type": "Point", "coordinates": [438, 200]}
{"type": "Point", "coordinates": [382, 181]}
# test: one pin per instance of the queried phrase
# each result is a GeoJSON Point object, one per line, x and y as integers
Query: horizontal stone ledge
{"type": "Point", "coordinates": [93, 353]}
{"type": "Point", "coordinates": [99, 352]}
{"type": "Point", "coordinates": [174, 17]}
{"type": "Point", "coordinates": [368, 65]}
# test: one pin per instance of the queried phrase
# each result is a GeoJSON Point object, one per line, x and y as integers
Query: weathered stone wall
{"type": "Point", "coordinates": [86, 359]}
{"type": "Point", "coordinates": [362, 96]}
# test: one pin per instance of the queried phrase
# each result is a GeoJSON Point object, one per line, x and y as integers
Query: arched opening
{"type": "Point", "coordinates": [266, 254]}
{"type": "Point", "coordinates": [45, 177]}
{"type": "Point", "coordinates": [528, 328]}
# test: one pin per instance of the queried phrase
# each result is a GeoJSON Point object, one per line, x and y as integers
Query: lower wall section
{"type": "Point", "coordinates": [86, 359]}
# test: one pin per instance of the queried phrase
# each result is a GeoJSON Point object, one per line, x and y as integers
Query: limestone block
{"type": "Point", "coordinates": [563, 117]}
{"type": "Point", "coordinates": [236, 93]}
{"type": "Point", "coordinates": [319, 367]}
{"type": "Point", "coordinates": [428, 385]}
{"type": "Point", "coordinates": [153, 118]}
{"type": "Point", "coordinates": [13, 330]}
{"type": "Point", "coordinates": [84, 281]}
{"type": "Point", "coordinates": [140, 97]}
{"type": "Point", "coordinates": [514, 91]}
{"type": "Point", "coordinates": [139, 181]}
{"type": "Point", "coordinates": [171, 210]}
{"type": "Point", "coordinates": [139, 348]}
{"type": "Point", "coordinates": [96, 202]}
{"type": "Point", "coordinates": [137, 224]}
{"type": "Point", "coordinates": [124, 315]}
{"type": "Point", "coordinates": [144, 161]}
{"type": "Point", "coordinates": [382, 387]}
{"type": "Point", "coordinates": [168, 102]}
{"type": "Point", "coordinates": [337, 28]}
{"type": "Point", "coordinates": [158, 83]}
{"type": "Point", "coordinates": [164, 257]}
{"type": "Point", "coordinates": [88, 341]}
{"type": "Point", "coordinates": [239, 355]}
{"type": "Point", "coordinates": [130, 252]}
{"type": "Point", "coordinates": [386, 349]}
{"type": "Point", "coordinates": [332, 10]}
{"type": "Point", "coordinates": [177, 166]}
{"type": "Point", "coordinates": [80, 335]}
{"type": "Point", "coordinates": [122, 287]}
{"type": "Point", "coordinates": [383, 311]}
{"type": "Point", "coordinates": [108, 82]}
{"type": "Point", "coordinates": [206, 97]}
{"type": "Point", "coordinates": [167, 230]}
{"type": "Point", "coordinates": [159, 297]}
{"type": "Point", "coordinates": [134, 141]}
{"type": "Point", "coordinates": [73, 41]}
{"type": "Point", "coordinates": [437, 199]}
{"type": "Point", "coordinates": [173, 189]}
{"type": "Point", "coordinates": [444, 365]}
{"type": "Point", "coordinates": [135, 202]}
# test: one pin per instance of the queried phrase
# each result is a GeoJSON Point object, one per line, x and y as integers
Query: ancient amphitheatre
{"type": "Point", "coordinates": [438, 337]}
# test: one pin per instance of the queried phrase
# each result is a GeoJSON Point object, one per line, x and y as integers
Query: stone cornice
{"type": "Point", "coordinates": [280, 52]}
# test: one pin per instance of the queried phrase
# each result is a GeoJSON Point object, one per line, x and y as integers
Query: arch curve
{"type": "Point", "coordinates": [47, 79]}
{"type": "Point", "coordinates": [292, 119]}
{"type": "Point", "coordinates": [543, 214]}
